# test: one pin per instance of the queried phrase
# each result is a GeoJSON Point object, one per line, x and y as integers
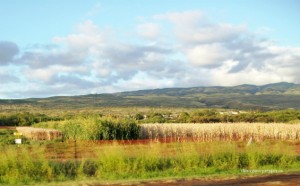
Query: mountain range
{"type": "Point", "coordinates": [265, 97]}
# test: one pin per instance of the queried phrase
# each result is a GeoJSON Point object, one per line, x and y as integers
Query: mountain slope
{"type": "Point", "coordinates": [271, 96]}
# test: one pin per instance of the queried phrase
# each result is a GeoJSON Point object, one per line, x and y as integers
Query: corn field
{"type": "Point", "coordinates": [39, 133]}
{"type": "Point", "coordinates": [220, 131]}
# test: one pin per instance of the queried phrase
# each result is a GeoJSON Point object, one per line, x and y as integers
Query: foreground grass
{"type": "Point", "coordinates": [30, 165]}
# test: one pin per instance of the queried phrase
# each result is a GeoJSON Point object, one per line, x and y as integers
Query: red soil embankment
{"type": "Point", "coordinates": [8, 127]}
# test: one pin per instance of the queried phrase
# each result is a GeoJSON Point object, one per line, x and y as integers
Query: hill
{"type": "Point", "coordinates": [266, 97]}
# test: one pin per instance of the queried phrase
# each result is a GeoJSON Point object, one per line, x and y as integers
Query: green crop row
{"type": "Point", "coordinates": [91, 128]}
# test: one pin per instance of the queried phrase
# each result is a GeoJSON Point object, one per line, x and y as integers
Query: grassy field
{"type": "Point", "coordinates": [31, 164]}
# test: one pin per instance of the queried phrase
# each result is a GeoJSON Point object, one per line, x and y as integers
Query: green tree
{"type": "Point", "coordinates": [184, 117]}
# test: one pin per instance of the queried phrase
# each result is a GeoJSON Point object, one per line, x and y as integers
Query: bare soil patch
{"type": "Point", "coordinates": [267, 180]}
{"type": "Point", "coordinates": [8, 127]}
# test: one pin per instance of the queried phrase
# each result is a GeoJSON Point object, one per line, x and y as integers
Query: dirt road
{"type": "Point", "coordinates": [269, 180]}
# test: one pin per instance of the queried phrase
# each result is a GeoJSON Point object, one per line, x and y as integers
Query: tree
{"type": "Point", "coordinates": [184, 117]}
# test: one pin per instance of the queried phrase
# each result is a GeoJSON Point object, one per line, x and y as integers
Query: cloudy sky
{"type": "Point", "coordinates": [67, 47]}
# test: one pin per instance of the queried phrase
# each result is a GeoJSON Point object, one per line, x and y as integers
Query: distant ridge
{"type": "Point", "coordinates": [281, 95]}
{"type": "Point", "coordinates": [275, 88]}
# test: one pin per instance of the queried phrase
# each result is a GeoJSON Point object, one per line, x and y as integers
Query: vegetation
{"type": "Point", "coordinates": [6, 136]}
{"type": "Point", "coordinates": [40, 133]}
{"type": "Point", "coordinates": [104, 143]}
{"type": "Point", "coordinates": [22, 165]}
{"type": "Point", "coordinates": [24, 119]}
{"type": "Point", "coordinates": [95, 128]}
{"type": "Point", "coordinates": [151, 115]}
{"type": "Point", "coordinates": [244, 97]}
{"type": "Point", "coordinates": [216, 132]}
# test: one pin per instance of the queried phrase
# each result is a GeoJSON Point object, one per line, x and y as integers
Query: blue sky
{"type": "Point", "coordinates": [50, 48]}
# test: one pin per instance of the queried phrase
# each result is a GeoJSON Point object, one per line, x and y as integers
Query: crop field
{"type": "Point", "coordinates": [83, 147]}
{"type": "Point", "coordinates": [39, 133]}
{"type": "Point", "coordinates": [221, 131]}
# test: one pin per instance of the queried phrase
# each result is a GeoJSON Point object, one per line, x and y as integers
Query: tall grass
{"type": "Point", "coordinates": [94, 128]}
{"type": "Point", "coordinates": [225, 131]}
{"type": "Point", "coordinates": [24, 165]}
{"type": "Point", "coordinates": [19, 165]}
{"type": "Point", "coordinates": [6, 136]}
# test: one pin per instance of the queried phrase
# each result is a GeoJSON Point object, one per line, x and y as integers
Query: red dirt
{"type": "Point", "coordinates": [8, 127]}
{"type": "Point", "coordinates": [297, 149]}
{"type": "Point", "coordinates": [86, 149]}
{"type": "Point", "coordinates": [146, 141]}
{"type": "Point", "coordinates": [268, 180]}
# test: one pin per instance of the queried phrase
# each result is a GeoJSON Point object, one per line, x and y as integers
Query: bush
{"type": "Point", "coordinates": [103, 129]}
{"type": "Point", "coordinates": [68, 169]}
{"type": "Point", "coordinates": [118, 131]}
{"type": "Point", "coordinates": [89, 168]}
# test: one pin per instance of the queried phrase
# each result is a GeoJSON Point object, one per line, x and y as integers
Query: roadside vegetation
{"type": "Point", "coordinates": [29, 164]}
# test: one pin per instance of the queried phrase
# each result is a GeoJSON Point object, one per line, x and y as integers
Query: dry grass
{"type": "Point", "coordinates": [40, 133]}
{"type": "Point", "coordinates": [221, 131]}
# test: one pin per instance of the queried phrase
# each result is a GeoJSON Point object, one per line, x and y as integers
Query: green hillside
{"type": "Point", "coordinates": [267, 97]}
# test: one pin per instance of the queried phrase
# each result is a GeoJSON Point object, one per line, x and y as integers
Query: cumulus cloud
{"type": "Point", "coordinates": [207, 55]}
{"type": "Point", "coordinates": [127, 60]}
{"type": "Point", "coordinates": [188, 50]}
{"type": "Point", "coordinates": [8, 78]}
{"type": "Point", "coordinates": [228, 52]}
{"type": "Point", "coordinates": [182, 19]}
{"type": "Point", "coordinates": [149, 31]}
{"type": "Point", "coordinates": [8, 50]}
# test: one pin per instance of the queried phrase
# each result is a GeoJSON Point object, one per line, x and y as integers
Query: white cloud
{"type": "Point", "coordinates": [149, 31]}
{"type": "Point", "coordinates": [207, 55]}
{"type": "Point", "coordinates": [87, 38]}
{"type": "Point", "coordinates": [212, 33]}
{"type": "Point", "coordinates": [196, 52]}
{"type": "Point", "coordinates": [181, 19]}
{"type": "Point", "coordinates": [8, 50]}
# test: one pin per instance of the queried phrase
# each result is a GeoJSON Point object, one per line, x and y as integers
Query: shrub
{"type": "Point", "coordinates": [89, 168]}
{"type": "Point", "coordinates": [101, 129]}
{"type": "Point", "coordinates": [67, 169]}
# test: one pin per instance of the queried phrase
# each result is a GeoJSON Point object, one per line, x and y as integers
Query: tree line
{"type": "Point", "coordinates": [192, 116]}
{"type": "Point", "coordinates": [217, 116]}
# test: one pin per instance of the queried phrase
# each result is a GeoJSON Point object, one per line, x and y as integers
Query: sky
{"type": "Point", "coordinates": [59, 48]}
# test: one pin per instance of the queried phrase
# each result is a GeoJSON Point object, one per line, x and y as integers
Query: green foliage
{"type": "Point", "coordinates": [28, 164]}
{"type": "Point", "coordinates": [72, 130]}
{"type": "Point", "coordinates": [67, 169]}
{"type": "Point", "coordinates": [139, 116]}
{"type": "Point", "coordinates": [155, 117]}
{"type": "Point", "coordinates": [95, 128]}
{"type": "Point", "coordinates": [125, 115]}
{"type": "Point", "coordinates": [19, 165]}
{"type": "Point", "coordinates": [125, 130]}
{"type": "Point", "coordinates": [7, 136]}
{"type": "Point", "coordinates": [89, 167]}
{"type": "Point", "coordinates": [24, 119]}
{"type": "Point", "coordinates": [184, 117]}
